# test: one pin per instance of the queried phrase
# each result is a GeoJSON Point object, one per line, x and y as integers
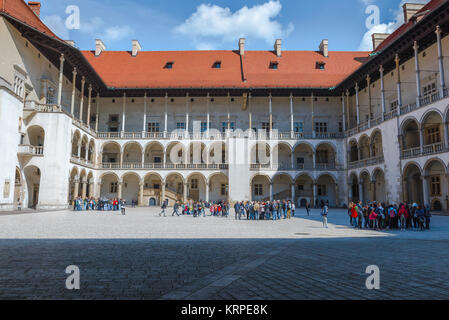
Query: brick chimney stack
{"type": "Point", "coordinates": [36, 7]}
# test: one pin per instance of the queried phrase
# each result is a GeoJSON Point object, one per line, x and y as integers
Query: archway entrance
{"type": "Point", "coordinates": [33, 178]}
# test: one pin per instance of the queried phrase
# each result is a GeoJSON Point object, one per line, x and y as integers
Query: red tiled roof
{"type": "Point", "coordinates": [432, 5]}
{"type": "Point", "coordinates": [19, 10]}
{"type": "Point", "coordinates": [296, 69]}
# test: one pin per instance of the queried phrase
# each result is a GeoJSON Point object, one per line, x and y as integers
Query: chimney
{"type": "Point", "coordinates": [378, 38]}
{"type": "Point", "coordinates": [242, 46]}
{"type": "Point", "coordinates": [70, 42]}
{"type": "Point", "coordinates": [410, 9]}
{"type": "Point", "coordinates": [278, 47]}
{"type": "Point", "coordinates": [99, 47]}
{"type": "Point", "coordinates": [136, 47]}
{"type": "Point", "coordinates": [324, 48]}
{"type": "Point", "coordinates": [36, 7]}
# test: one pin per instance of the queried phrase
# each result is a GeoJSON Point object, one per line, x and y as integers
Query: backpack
{"type": "Point", "coordinates": [392, 213]}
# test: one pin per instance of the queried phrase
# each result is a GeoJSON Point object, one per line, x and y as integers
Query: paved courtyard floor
{"type": "Point", "coordinates": [144, 256]}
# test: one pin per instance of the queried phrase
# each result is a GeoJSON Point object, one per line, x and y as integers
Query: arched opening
{"type": "Point", "coordinates": [365, 180]}
{"type": "Point", "coordinates": [152, 190]}
{"type": "Point", "coordinates": [282, 187]}
{"type": "Point", "coordinates": [432, 127]}
{"type": "Point", "coordinates": [354, 194]}
{"type": "Point", "coordinates": [379, 192]}
{"type": "Point", "coordinates": [73, 185]}
{"type": "Point", "coordinates": [109, 186]}
{"type": "Point", "coordinates": [75, 143]}
{"type": "Point", "coordinates": [176, 153]}
{"type": "Point", "coordinates": [260, 154]}
{"type": "Point", "coordinates": [325, 156]}
{"type": "Point", "coordinates": [110, 153]}
{"type": "Point", "coordinates": [33, 179]}
{"type": "Point", "coordinates": [282, 156]}
{"type": "Point", "coordinates": [303, 156]}
{"type": "Point", "coordinates": [218, 187]}
{"type": "Point", "coordinates": [132, 155]}
{"type": "Point", "coordinates": [84, 146]}
{"type": "Point", "coordinates": [197, 153]}
{"type": "Point", "coordinates": [130, 188]}
{"type": "Point", "coordinates": [83, 184]}
{"type": "Point", "coordinates": [90, 185]}
{"type": "Point", "coordinates": [260, 188]}
{"type": "Point", "coordinates": [413, 187]}
{"type": "Point", "coordinates": [436, 182]}
{"type": "Point", "coordinates": [218, 153]}
{"type": "Point", "coordinates": [196, 184]}
{"type": "Point", "coordinates": [91, 152]}
{"type": "Point", "coordinates": [353, 151]}
{"type": "Point", "coordinates": [174, 190]}
{"type": "Point", "coordinates": [18, 193]}
{"type": "Point", "coordinates": [364, 146]}
{"type": "Point", "coordinates": [36, 136]}
{"type": "Point", "coordinates": [304, 190]}
{"type": "Point", "coordinates": [377, 146]}
{"type": "Point", "coordinates": [410, 132]}
{"type": "Point", "coordinates": [154, 154]}
{"type": "Point", "coordinates": [327, 190]}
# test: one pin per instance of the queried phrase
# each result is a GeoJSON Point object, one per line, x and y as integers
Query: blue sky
{"type": "Point", "coordinates": [217, 24]}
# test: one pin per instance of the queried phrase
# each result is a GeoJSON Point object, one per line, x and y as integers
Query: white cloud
{"type": "Point", "coordinates": [57, 25]}
{"type": "Point", "coordinates": [218, 24]}
{"type": "Point", "coordinates": [115, 33]}
{"type": "Point", "coordinates": [97, 28]}
{"type": "Point", "coordinates": [367, 44]}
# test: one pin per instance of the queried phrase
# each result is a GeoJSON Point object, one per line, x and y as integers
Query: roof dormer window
{"type": "Point", "coordinates": [169, 65]}
{"type": "Point", "coordinates": [321, 65]}
{"type": "Point", "coordinates": [217, 65]}
{"type": "Point", "coordinates": [274, 65]}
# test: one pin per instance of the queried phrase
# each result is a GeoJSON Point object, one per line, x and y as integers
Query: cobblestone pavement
{"type": "Point", "coordinates": [296, 259]}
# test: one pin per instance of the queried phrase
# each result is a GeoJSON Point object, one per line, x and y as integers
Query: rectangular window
{"type": "Point", "coordinates": [300, 187]}
{"type": "Point", "coordinates": [430, 89]}
{"type": "Point", "coordinates": [435, 186]}
{"type": "Point", "coordinates": [203, 126]}
{"type": "Point", "coordinates": [340, 127]}
{"type": "Point", "coordinates": [6, 189]}
{"type": "Point", "coordinates": [433, 135]}
{"type": "Point", "coordinates": [180, 125]}
{"type": "Point", "coordinates": [299, 127]}
{"type": "Point", "coordinates": [300, 161]}
{"type": "Point", "coordinates": [194, 184]}
{"type": "Point", "coordinates": [153, 127]}
{"type": "Point", "coordinates": [322, 156]}
{"type": "Point", "coordinates": [224, 189]}
{"type": "Point", "coordinates": [394, 105]}
{"type": "Point", "coordinates": [113, 188]}
{"type": "Point", "coordinates": [157, 160]}
{"type": "Point", "coordinates": [266, 126]}
{"type": "Point", "coordinates": [113, 123]}
{"type": "Point", "coordinates": [258, 190]}
{"type": "Point", "coordinates": [224, 126]}
{"type": "Point", "coordinates": [321, 127]}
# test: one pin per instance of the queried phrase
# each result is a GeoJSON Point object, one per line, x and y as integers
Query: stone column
{"type": "Point", "coordinates": [350, 195]}
{"type": "Point", "coordinates": [292, 116]}
{"type": "Point", "coordinates": [337, 198]}
{"type": "Point", "coordinates": [163, 192]}
{"type": "Point", "coordinates": [347, 109]}
{"type": "Point", "coordinates": [208, 114]}
{"type": "Point", "coordinates": [293, 193]}
{"type": "Point", "coordinates": [61, 78]}
{"type": "Point", "coordinates": [382, 91]}
{"type": "Point", "coordinates": [440, 61]}
{"type": "Point", "coordinates": [315, 194]}
{"type": "Point", "coordinates": [292, 160]}
{"type": "Point", "coordinates": [421, 140]}
{"type": "Point", "coordinates": [360, 191]}
{"type": "Point", "coordinates": [72, 106]}
{"type": "Point", "coordinates": [83, 82]}
{"type": "Point", "coordinates": [144, 124]}
{"type": "Point", "coordinates": [84, 189]}
{"type": "Point", "coordinates": [357, 104]}
{"type": "Point", "coordinates": [97, 116]}
{"type": "Point", "coordinates": [79, 150]}
{"type": "Point", "coordinates": [271, 191]}
{"type": "Point", "coordinates": [446, 135]}
{"type": "Point", "coordinates": [123, 113]}
{"type": "Point", "coordinates": [184, 191]}
{"type": "Point", "coordinates": [373, 191]}
{"type": "Point", "coordinates": [270, 111]}
{"type": "Point", "coordinates": [207, 190]}
{"type": "Point", "coordinates": [229, 114]}
{"type": "Point", "coordinates": [91, 189]}
{"type": "Point", "coordinates": [141, 185]}
{"type": "Point", "coordinates": [187, 115]}
{"type": "Point", "coordinates": [343, 111]}
{"type": "Point", "coordinates": [119, 193]}
{"type": "Point", "coordinates": [314, 160]}
{"type": "Point", "coordinates": [98, 190]}
{"type": "Point", "coordinates": [313, 115]}
{"type": "Point", "coordinates": [89, 104]}
{"type": "Point", "coordinates": [398, 83]}
{"type": "Point", "coordinates": [425, 188]}
{"type": "Point", "coordinates": [250, 116]}
{"type": "Point", "coordinates": [368, 85]}
{"type": "Point", "coordinates": [166, 116]}
{"type": "Point", "coordinates": [418, 74]}
{"type": "Point", "coordinates": [121, 159]}
{"type": "Point", "coordinates": [77, 186]}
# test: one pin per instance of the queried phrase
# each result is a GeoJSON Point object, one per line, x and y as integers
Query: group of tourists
{"type": "Point", "coordinates": [251, 210]}
{"type": "Point", "coordinates": [378, 216]}
{"type": "Point", "coordinates": [101, 204]}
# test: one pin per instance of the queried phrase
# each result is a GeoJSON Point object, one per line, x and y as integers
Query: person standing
{"type": "Point", "coordinates": [324, 213]}
{"type": "Point", "coordinates": [308, 208]}
{"type": "Point", "coordinates": [175, 209]}
{"type": "Point", "coordinates": [237, 210]}
{"type": "Point", "coordinates": [294, 208]}
{"type": "Point", "coordinates": [122, 207]}
{"type": "Point", "coordinates": [163, 207]}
